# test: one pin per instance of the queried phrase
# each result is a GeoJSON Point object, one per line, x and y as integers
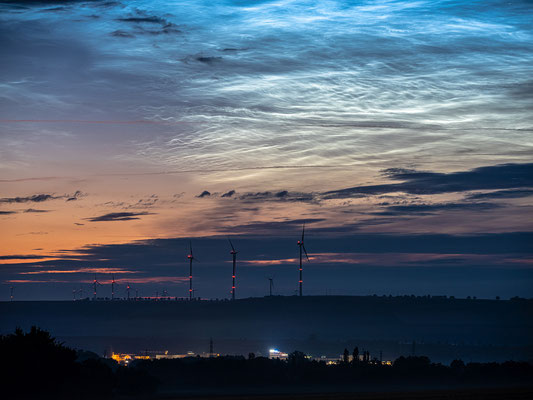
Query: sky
{"type": "Point", "coordinates": [400, 132]}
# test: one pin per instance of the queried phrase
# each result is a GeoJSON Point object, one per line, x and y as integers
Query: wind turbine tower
{"type": "Point", "coordinates": [95, 283]}
{"type": "Point", "coordinates": [113, 283]}
{"type": "Point", "coordinates": [271, 285]}
{"type": "Point", "coordinates": [11, 293]}
{"type": "Point", "coordinates": [190, 256]}
{"type": "Point", "coordinates": [302, 247]}
{"type": "Point", "coordinates": [128, 290]}
{"type": "Point", "coordinates": [233, 252]}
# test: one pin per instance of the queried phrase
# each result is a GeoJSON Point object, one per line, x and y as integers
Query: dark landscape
{"type": "Point", "coordinates": [266, 200]}
{"type": "Point", "coordinates": [442, 328]}
{"type": "Point", "coordinates": [59, 371]}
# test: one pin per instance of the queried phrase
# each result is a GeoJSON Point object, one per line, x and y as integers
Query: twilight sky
{"type": "Point", "coordinates": [400, 131]}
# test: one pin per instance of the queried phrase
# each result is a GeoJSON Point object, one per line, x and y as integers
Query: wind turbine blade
{"type": "Point", "coordinates": [305, 251]}
{"type": "Point", "coordinates": [303, 232]}
{"type": "Point", "coordinates": [231, 244]}
{"type": "Point", "coordinates": [190, 246]}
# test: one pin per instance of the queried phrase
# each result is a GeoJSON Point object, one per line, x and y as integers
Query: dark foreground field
{"type": "Point", "coordinates": [55, 370]}
{"type": "Point", "coordinates": [459, 394]}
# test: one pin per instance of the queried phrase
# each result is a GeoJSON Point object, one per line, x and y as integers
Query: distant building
{"type": "Point", "coordinates": [172, 356]}
{"type": "Point", "coordinates": [125, 359]}
{"type": "Point", "coordinates": [274, 353]}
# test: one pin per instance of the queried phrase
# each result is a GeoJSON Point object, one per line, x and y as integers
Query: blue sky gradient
{"type": "Point", "coordinates": [127, 122]}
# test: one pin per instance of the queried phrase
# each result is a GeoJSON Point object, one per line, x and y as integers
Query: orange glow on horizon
{"type": "Point", "coordinates": [80, 271]}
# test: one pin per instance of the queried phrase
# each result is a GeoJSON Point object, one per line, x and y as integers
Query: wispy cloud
{"type": "Point", "coordinates": [505, 176]}
{"type": "Point", "coordinates": [205, 193]}
{"type": "Point", "coordinates": [36, 198]}
{"type": "Point", "coordinates": [39, 198]}
{"type": "Point", "coordinates": [501, 194]}
{"type": "Point", "coordinates": [118, 216]}
{"type": "Point", "coordinates": [427, 209]}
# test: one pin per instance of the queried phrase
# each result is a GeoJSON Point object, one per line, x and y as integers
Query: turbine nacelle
{"type": "Point", "coordinates": [233, 251]}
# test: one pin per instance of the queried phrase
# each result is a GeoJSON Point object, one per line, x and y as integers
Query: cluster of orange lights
{"type": "Point", "coordinates": [125, 359]}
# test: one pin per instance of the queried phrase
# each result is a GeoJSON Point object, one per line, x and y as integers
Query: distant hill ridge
{"type": "Point", "coordinates": [309, 321]}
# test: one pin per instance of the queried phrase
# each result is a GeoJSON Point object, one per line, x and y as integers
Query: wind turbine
{"type": "Point", "coordinates": [271, 285]}
{"type": "Point", "coordinates": [302, 247]}
{"type": "Point", "coordinates": [128, 290]}
{"type": "Point", "coordinates": [113, 283]}
{"type": "Point", "coordinates": [190, 256]}
{"type": "Point", "coordinates": [233, 252]}
{"type": "Point", "coordinates": [95, 283]}
{"type": "Point", "coordinates": [11, 293]}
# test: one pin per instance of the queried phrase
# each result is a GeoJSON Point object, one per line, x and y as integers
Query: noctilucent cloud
{"type": "Point", "coordinates": [400, 132]}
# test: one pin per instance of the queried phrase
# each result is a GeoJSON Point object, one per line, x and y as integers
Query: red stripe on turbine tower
{"type": "Point", "coordinates": [191, 258]}
{"type": "Point", "coordinates": [95, 282]}
{"type": "Point", "coordinates": [302, 247]}
{"type": "Point", "coordinates": [233, 252]}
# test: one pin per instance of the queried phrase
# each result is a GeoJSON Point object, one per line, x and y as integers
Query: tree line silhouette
{"type": "Point", "coordinates": [34, 363]}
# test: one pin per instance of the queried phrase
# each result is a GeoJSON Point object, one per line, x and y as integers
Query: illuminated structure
{"type": "Point", "coordinates": [125, 359]}
{"type": "Point", "coordinates": [188, 354]}
{"type": "Point", "coordinates": [276, 354]}
{"type": "Point", "coordinates": [173, 356]}
{"type": "Point", "coordinates": [233, 252]}
{"type": "Point", "coordinates": [302, 247]}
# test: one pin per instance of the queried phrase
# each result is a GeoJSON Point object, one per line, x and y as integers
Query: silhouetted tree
{"type": "Point", "coordinates": [251, 356]}
{"type": "Point", "coordinates": [355, 355]}
{"type": "Point", "coordinates": [35, 357]}
{"type": "Point", "coordinates": [95, 377]}
{"type": "Point", "coordinates": [296, 358]}
{"type": "Point", "coordinates": [457, 364]}
{"type": "Point", "coordinates": [35, 365]}
{"type": "Point", "coordinates": [412, 364]}
{"type": "Point", "coordinates": [346, 356]}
